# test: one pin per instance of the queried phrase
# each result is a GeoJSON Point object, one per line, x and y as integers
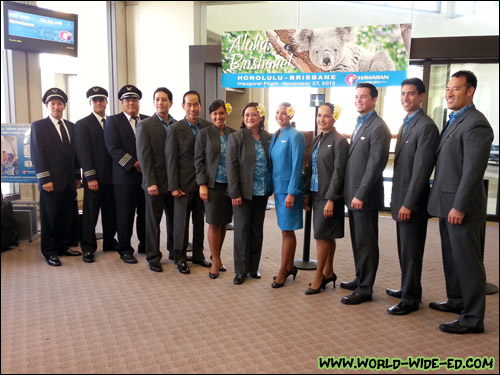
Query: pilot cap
{"type": "Point", "coordinates": [54, 93]}
{"type": "Point", "coordinates": [97, 92]}
{"type": "Point", "coordinates": [129, 91]}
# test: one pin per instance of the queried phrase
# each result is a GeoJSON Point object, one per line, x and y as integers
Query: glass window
{"type": "Point", "coordinates": [485, 100]}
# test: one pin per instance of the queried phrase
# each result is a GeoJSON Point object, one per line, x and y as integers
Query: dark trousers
{"type": "Point", "coordinates": [56, 211]}
{"type": "Point", "coordinates": [155, 206]}
{"type": "Point", "coordinates": [411, 243]}
{"type": "Point", "coordinates": [248, 234]}
{"type": "Point", "coordinates": [128, 200]}
{"type": "Point", "coordinates": [94, 201]}
{"type": "Point", "coordinates": [190, 203]}
{"type": "Point", "coordinates": [464, 269]}
{"type": "Point", "coordinates": [364, 238]}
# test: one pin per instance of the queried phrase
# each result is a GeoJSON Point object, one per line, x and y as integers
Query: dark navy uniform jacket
{"type": "Point", "coordinates": [91, 151]}
{"type": "Point", "coordinates": [120, 142]}
{"type": "Point", "coordinates": [53, 160]}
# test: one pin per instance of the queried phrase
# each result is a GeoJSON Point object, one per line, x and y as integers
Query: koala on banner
{"type": "Point", "coordinates": [333, 50]}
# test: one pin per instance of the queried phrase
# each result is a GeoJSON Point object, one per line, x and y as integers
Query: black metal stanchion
{"type": "Point", "coordinates": [305, 263]}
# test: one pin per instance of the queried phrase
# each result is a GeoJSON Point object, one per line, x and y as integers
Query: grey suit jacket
{"type": "Point", "coordinates": [240, 162]}
{"type": "Point", "coordinates": [151, 136]}
{"type": "Point", "coordinates": [207, 154]}
{"type": "Point", "coordinates": [179, 153]}
{"type": "Point", "coordinates": [413, 163]}
{"type": "Point", "coordinates": [366, 161]}
{"type": "Point", "coordinates": [461, 159]}
{"type": "Point", "coordinates": [331, 162]}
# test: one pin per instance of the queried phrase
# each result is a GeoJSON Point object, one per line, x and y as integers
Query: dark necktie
{"type": "Point", "coordinates": [135, 120]}
{"type": "Point", "coordinates": [103, 120]}
{"type": "Point", "coordinates": [64, 134]}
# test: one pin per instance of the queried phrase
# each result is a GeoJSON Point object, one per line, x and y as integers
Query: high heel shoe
{"type": "Point", "coordinates": [293, 271]}
{"type": "Point", "coordinates": [276, 285]}
{"type": "Point", "coordinates": [312, 291]}
{"type": "Point", "coordinates": [213, 275]}
{"type": "Point", "coordinates": [327, 280]}
{"type": "Point", "coordinates": [316, 291]}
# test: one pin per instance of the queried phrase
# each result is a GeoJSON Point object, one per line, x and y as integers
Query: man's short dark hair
{"type": "Point", "coordinates": [469, 76]}
{"type": "Point", "coordinates": [166, 91]}
{"type": "Point", "coordinates": [417, 82]}
{"type": "Point", "coordinates": [373, 89]}
{"type": "Point", "coordinates": [191, 92]}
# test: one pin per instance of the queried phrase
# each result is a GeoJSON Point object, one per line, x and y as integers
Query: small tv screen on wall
{"type": "Point", "coordinates": [29, 28]}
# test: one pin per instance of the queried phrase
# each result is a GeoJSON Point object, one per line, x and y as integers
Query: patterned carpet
{"type": "Point", "coordinates": [112, 317]}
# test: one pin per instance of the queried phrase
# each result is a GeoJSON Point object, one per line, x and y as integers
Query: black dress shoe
{"type": "Point", "coordinates": [255, 275]}
{"type": "Point", "coordinates": [53, 260]}
{"type": "Point", "coordinates": [355, 299]}
{"type": "Point", "coordinates": [349, 285]}
{"type": "Point", "coordinates": [203, 263]}
{"type": "Point", "coordinates": [156, 267]}
{"type": "Point", "coordinates": [445, 307]}
{"type": "Point", "coordinates": [69, 253]}
{"type": "Point", "coordinates": [401, 308]}
{"type": "Point", "coordinates": [183, 268]}
{"type": "Point", "coordinates": [88, 257]}
{"type": "Point", "coordinates": [239, 279]}
{"type": "Point", "coordinates": [457, 328]}
{"type": "Point", "coordinates": [128, 258]}
{"type": "Point", "coordinates": [396, 293]}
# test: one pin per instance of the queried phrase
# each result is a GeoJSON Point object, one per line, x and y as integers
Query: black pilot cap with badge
{"type": "Point", "coordinates": [97, 92]}
{"type": "Point", "coordinates": [54, 93]}
{"type": "Point", "coordinates": [129, 91]}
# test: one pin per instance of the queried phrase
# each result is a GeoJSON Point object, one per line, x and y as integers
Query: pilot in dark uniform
{"type": "Point", "coordinates": [98, 186]}
{"type": "Point", "coordinates": [119, 136]}
{"type": "Point", "coordinates": [58, 174]}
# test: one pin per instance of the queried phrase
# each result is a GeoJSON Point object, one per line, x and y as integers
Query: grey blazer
{"type": "Point", "coordinates": [240, 162]}
{"type": "Point", "coordinates": [366, 161]}
{"type": "Point", "coordinates": [179, 153]}
{"type": "Point", "coordinates": [207, 154]}
{"type": "Point", "coordinates": [331, 163]}
{"type": "Point", "coordinates": [461, 159]}
{"type": "Point", "coordinates": [151, 136]}
{"type": "Point", "coordinates": [413, 163]}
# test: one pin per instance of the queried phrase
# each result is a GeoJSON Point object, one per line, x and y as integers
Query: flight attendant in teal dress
{"type": "Point", "coordinates": [287, 155]}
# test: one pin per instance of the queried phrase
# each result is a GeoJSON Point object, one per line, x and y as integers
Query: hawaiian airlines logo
{"type": "Point", "coordinates": [65, 35]}
{"type": "Point", "coordinates": [351, 79]}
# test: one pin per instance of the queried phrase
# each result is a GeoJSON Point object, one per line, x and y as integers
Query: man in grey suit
{"type": "Point", "coordinates": [416, 146]}
{"type": "Point", "coordinates": [151, 136]}
{"type": "Point", "coordinates": [458, 199]}
{"type": "Point", "coordinates": [181, 173]}
{"type": "Point", "coordinates": [364, 191]}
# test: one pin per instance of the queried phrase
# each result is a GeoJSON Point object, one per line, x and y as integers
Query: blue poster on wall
{"type": "Point", "coordinates": [336, 57]}
{"type": "Point", "coordinates": [17, 165]}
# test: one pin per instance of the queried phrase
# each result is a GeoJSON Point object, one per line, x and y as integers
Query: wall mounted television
{"type": "Point", "coordinates": [29, 28]}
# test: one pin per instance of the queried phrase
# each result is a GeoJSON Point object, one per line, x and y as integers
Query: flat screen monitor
{"type": "Point", "coordinates": [29, 28]}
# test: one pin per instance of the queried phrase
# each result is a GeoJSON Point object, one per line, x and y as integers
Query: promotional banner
{"type": "Point", "coordinates": [16, 155]}
{"type": "Point", "coordinates": [342, 56]}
